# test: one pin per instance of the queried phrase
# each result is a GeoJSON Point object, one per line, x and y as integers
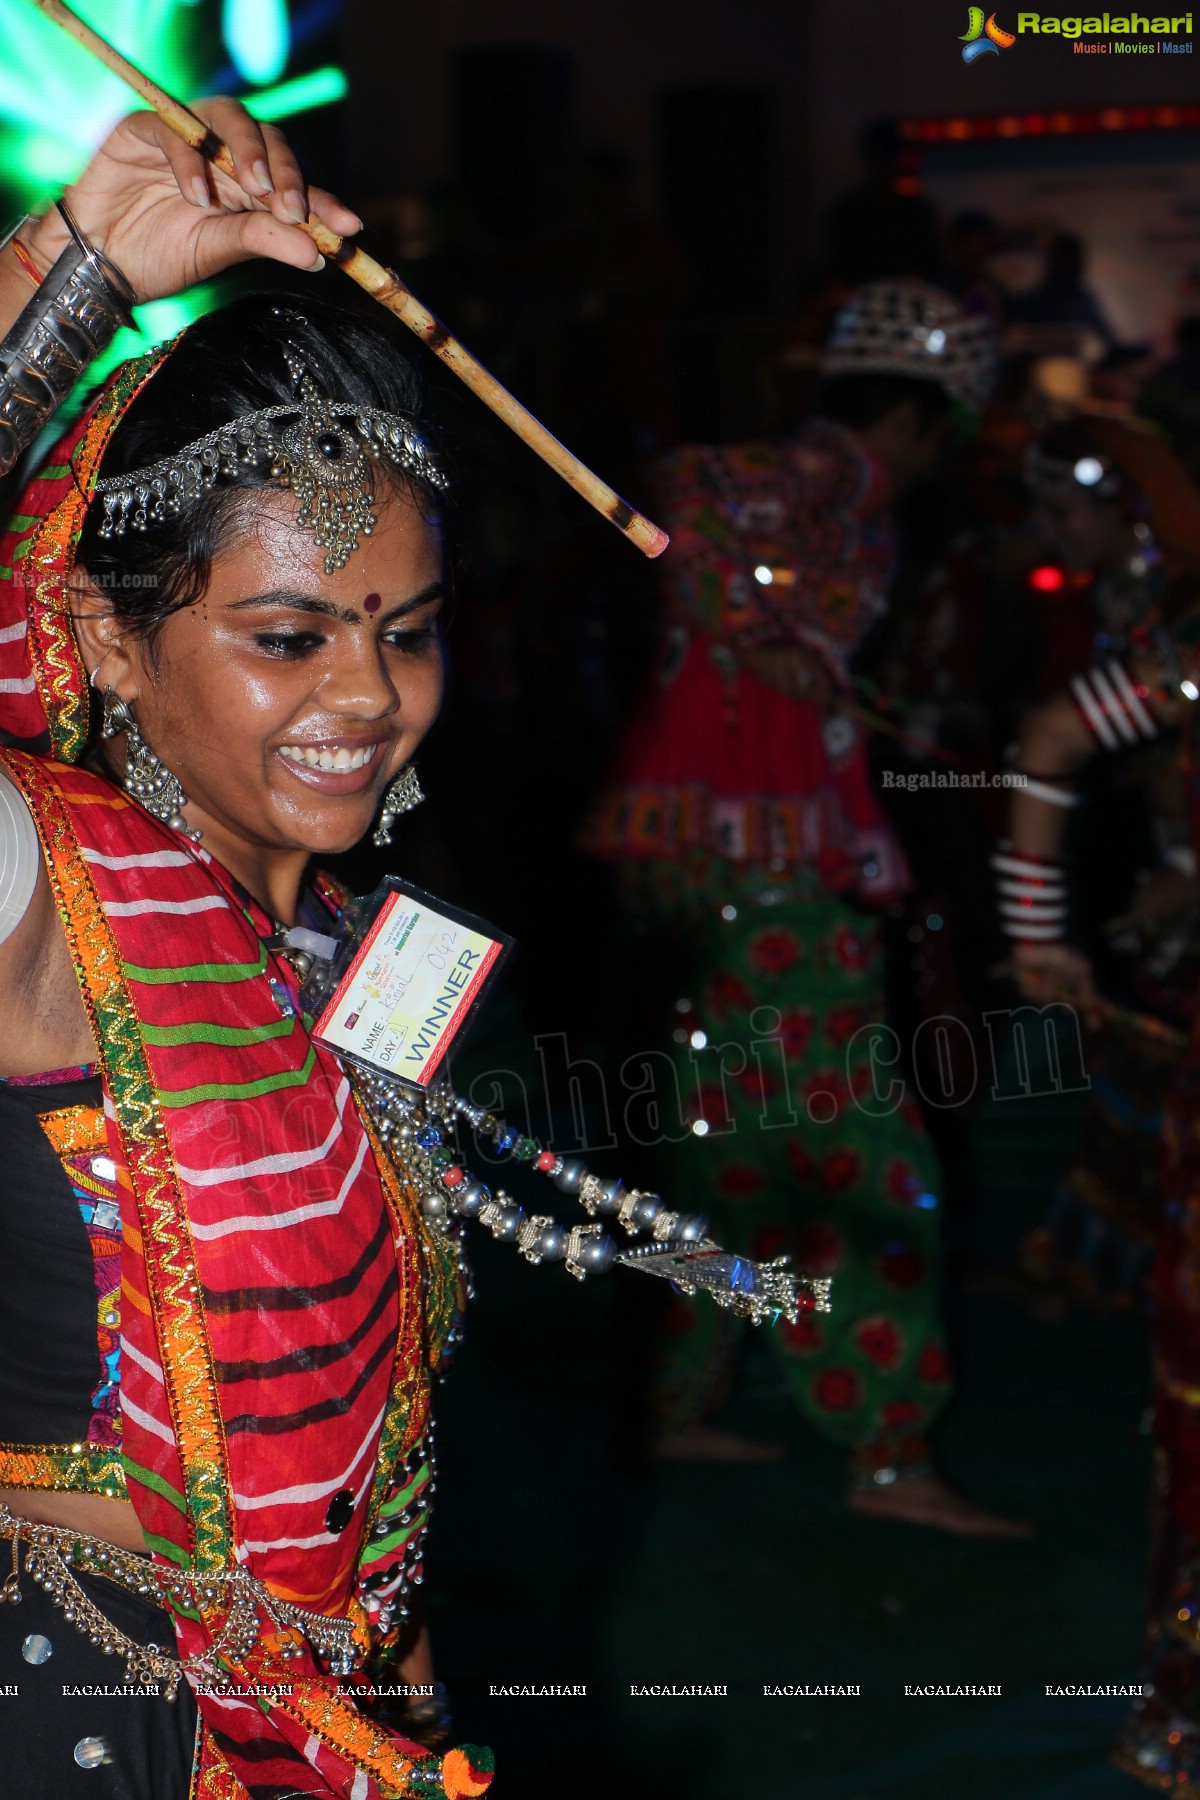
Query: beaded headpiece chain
{"type": "Point", "coordinates": [316, 446]}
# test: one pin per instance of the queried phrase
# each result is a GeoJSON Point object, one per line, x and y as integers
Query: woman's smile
{"type": "Point", "coordinates": [336, 765]}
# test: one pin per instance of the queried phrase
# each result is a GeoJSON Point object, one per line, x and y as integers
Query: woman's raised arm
{"type": "Point", "coordinates": [168, 219]}
{"type": "Point", "coordinates": [147, 217]}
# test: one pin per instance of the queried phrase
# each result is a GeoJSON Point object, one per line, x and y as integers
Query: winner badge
{"type": "Point", "coordinates": [405, 984]}
{"type": "Point", "coordinates": [389, 1001]}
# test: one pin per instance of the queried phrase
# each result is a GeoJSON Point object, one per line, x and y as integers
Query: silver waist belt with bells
{"type": "Point", "coordinates": [55, 1554]}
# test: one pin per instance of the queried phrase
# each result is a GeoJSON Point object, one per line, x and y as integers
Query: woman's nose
{"type": "Point", "coordinates": [359, 681]}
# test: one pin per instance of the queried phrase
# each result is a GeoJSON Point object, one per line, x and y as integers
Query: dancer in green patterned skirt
{"type": "Point", "coordinates": [744, 819]}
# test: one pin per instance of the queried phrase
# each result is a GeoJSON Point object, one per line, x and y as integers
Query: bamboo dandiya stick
{"type": "Point", "coordinates": [875, 721]}
{"type": "Point", "coordinates": [384, 285]}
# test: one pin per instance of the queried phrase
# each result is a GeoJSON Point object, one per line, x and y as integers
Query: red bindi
{"type": "Point", "coordinates": [372, 603]}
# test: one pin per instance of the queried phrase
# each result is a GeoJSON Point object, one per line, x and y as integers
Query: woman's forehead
{"type": "Point", "coordinates": [270, 547]}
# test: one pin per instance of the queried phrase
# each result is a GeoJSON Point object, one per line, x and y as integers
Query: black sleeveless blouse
{"type": "Point", "coordinates": [60, 1267]}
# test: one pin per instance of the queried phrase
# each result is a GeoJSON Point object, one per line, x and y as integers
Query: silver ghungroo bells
{"type": "Point", "coordinates": [402, 795]}
{"type": "Point", "coordinates": [73, 315]}
{"type": "Point", "coordinates": [147, 779]}
{"type": "Point", "coordinates": [55, 1555]}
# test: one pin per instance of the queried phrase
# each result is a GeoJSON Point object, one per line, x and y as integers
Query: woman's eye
{"type": "Point", "coordinates": [413, 642]}
{"type": "Point", "coordinates": [288, 643]}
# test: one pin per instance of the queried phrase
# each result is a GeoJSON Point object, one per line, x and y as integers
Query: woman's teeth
{"type": "Point", "coordinates": [328, 759]}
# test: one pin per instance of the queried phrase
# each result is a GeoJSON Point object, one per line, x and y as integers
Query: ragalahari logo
{"type": "Point", "coordinates": [984, 38]}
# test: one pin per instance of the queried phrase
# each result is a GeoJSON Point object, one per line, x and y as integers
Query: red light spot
{"type": "Point", "coordinates": [1047, 580]}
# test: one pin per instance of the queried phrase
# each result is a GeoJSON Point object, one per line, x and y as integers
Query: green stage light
{"type": "Point", "coordinates": [157, 321]}
{"type": "Point", "coordinates": [57, 103]}
{"type": "Point", "coordinates": [49, 159]}
{"type": "Point", "coordinates": [320, 88]}
{"type": "Point", "coordinates": [257, 37]}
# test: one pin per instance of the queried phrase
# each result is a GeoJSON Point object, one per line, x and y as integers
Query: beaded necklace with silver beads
{"type": "Point", "coordinates": [420, 1128]}
{"type": "Point", "coordinates": [421, 1131]}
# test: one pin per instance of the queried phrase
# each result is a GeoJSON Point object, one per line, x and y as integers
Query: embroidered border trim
{"type": "Point", "coordinates": [74, 1130]}
{"type": "Point", "coordinates": [171, 1278]}
{"type": "Point", "coordinates": [172, 1284]}
{"type": "Point", "coordinates": [407, 1415]}
{"type": "Point", "coordinates": [72, 1468]}
{"type": "Point", "coordinates": [57, 667]}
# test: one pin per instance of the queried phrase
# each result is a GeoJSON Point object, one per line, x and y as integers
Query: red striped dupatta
{"type": "Point", "coordinates": [281, 1301]}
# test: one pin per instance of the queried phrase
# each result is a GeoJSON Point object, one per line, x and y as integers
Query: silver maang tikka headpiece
{"type": "Point", "coordinates": [318, 447]}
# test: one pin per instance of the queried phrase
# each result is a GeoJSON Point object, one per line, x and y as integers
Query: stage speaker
{"type": "Point", "coordinates": [512, 122]}
{"type": "Point", "coordinates": [717, 156]}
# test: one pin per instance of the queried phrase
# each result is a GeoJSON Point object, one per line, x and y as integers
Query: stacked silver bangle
{"type": "Point", "coordinates": [72, 317]}
{"type": "Point", "coordinates": [1112, 708]}
{"type": "Point", "coordinates": [1032, 897]}
{"type": "Point", "coordinates": [1053, 790]}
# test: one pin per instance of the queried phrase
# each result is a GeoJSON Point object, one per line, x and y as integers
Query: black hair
{"type": "Point", "coordinates": [971, 223]}
{"type": "Point", "coordinates": [606, 163]}
{"type": "Point", "coordinates": [880, 142]}
{"type": "Point", "coordinates": [229, 363]}
{"type": "Point", "coordinates": [860, 401]}
{"type": "Point", "coordinates": [1068, 252]}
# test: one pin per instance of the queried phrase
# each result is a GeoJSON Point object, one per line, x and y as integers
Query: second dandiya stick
{"type": "Point", "coordinates": [385, 286]}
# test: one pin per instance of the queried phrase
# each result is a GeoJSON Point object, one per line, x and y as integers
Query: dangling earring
{"type": "Point", "coordinates": [403, 794]}
{"type": "Point", "coordinates": [147, 779]}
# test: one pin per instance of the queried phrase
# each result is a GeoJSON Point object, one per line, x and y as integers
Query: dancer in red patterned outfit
{"type": "Point", "coordinates": [222, 1303]}
{"type": "Point", "coordinates": [742, 814]}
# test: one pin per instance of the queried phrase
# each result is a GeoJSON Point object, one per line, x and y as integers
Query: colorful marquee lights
{"type": "Point", "coordinates": [56, 102]}
{"type": "Point", "coordinates": [1181, 116]}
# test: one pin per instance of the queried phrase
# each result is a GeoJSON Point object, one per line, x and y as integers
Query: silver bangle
{"type": "Point", "coordinates": [72, 317]}
{"type": "Point", "coordinates": [1043, 790]}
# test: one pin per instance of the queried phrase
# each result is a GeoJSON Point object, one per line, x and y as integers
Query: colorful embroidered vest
{"type": "Point", "coordinates": [281, 1301]}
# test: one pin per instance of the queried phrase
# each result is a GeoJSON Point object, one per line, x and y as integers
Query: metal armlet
{"type": "Point", "coordinates": [72, 317]}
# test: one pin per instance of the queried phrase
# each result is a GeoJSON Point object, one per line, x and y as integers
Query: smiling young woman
{"type": "Point", "coordinates": [220, 1309]}
{"type": "Point", "coordinates": [289, 703]}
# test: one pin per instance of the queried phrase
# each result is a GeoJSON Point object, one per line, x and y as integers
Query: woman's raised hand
{"type": "Point", "coordinates": [1050, 972]}
{"type": "Point", "coordinates": [167, 218]}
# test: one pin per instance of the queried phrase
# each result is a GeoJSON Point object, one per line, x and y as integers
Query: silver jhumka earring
{"type": "Point", "coordinates": [403, 794]}
{"type": "Point", "coordinates": [148, 780]}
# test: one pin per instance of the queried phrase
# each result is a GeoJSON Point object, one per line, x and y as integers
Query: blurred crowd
{"type": "Point", "coordinates": [924, 531]}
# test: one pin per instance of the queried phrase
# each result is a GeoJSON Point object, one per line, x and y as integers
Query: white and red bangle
{"type": "Point", "coordinates": [1113, 707]}
{"type": "Point", "coordinates": [1054, 790]}
{"type": "Point", "coordinates": [1031, 897]}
